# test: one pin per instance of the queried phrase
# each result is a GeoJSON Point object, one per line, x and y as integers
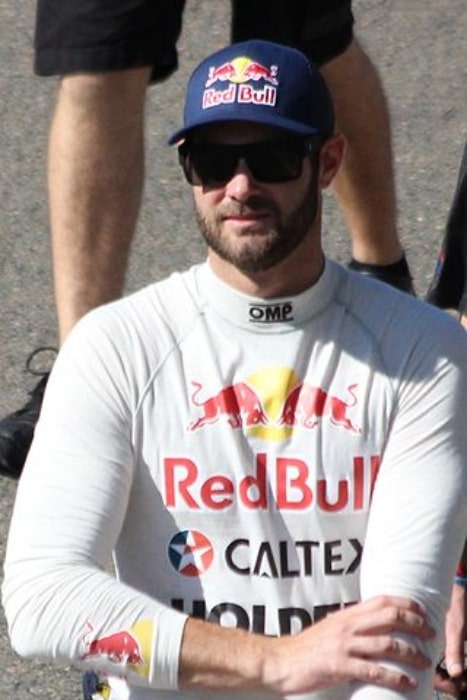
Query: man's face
{"type": "Point", "coordinates": [251, 224]}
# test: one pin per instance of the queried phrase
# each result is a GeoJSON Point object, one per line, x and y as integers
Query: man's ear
{"type": "Point", "coordinates": [331, 157]}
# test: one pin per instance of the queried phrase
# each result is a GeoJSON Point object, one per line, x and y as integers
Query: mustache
{"type": "Point", "coordinates": [254, 204]}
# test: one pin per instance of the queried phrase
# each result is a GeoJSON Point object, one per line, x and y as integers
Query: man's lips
{"type": "Point", "coordinates": [247, 218]}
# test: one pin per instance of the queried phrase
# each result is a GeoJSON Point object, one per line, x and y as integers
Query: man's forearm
{"type": "Point", "coordinates": [218, 658]}
{"type": "Point", "coordinates": [352, 644]}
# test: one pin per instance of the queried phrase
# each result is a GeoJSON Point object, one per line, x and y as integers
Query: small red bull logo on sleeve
{"type": "Point", "coordinates": [272, 403]}
{"type": "Point", "coordinates": [119, 647]}
{"type": "Point", "coordinates": [238, 75]}
{"type": "Point", "coordinates": [125, 648]}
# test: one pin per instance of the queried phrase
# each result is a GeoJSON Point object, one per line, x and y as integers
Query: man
{"type": "Point", "coordinates": [107, 53]}
{"type": "Point", "coordinates": [267, 442]}
{"type": "Point", "coordinates": [448, 288]}
{"type": "Point", "coordinates": [448, 291]}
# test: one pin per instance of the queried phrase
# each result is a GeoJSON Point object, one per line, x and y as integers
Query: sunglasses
{"type": "Point", "coordinates": [214, 164]}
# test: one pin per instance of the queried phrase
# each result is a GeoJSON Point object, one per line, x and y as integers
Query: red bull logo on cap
{"type": "Point", "coordinates": [238, 73]}
{"type": "Point", "coordinates": [272, 403]}
{"type": "Point", "coordinates": [242, 70]}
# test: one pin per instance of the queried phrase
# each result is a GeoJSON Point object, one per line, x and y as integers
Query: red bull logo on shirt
{"type": "Point", "coordinates": [237, 74]}
{"type": "Point", "coordinates": [281, 483]}
{"type": "Point", "coordinates": [272, 403]}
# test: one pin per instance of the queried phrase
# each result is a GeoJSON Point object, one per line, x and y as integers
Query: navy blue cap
{"type": "Point", "coordinates": [260, 82]}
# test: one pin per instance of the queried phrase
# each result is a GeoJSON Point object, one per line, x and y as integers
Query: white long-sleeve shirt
{"type": "Point", "coordinates": [255, 463]}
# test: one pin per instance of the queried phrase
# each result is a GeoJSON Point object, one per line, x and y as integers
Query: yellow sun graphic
{"type": "Point", "coordinates": [273, 385]}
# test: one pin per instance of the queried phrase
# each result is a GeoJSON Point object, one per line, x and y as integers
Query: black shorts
{"type": "Point", "coordinates": [94, 36]}
{"type": "Point", "coordinates": [322, 29]}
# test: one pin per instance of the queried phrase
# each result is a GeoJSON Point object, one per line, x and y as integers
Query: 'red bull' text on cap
{"type": "Point", "coordinates": [260, 82]}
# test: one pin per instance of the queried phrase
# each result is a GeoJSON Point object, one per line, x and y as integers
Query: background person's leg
{"type": "Point", "coordinates": [107, 52]}
{"type": "Point", "coordinates": [96, 169]}
{"type": "Point", "coordinates": [365, 187]}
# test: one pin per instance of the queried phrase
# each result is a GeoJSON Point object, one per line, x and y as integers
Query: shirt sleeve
{"type": "Point", "coordinates": [418, 514]}
{"type": "Point", "coordinates": [61, 601]}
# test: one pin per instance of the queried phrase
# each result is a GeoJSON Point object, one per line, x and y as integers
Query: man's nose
{"type": "Point", "coordinates": [242, 183]}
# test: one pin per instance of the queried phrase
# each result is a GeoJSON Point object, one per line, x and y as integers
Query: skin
{"type": "Point", "coordinates": [348, 645]}
{"type": "Point", "coordinates": [365, 185]}
{"type": "Point", "coordinates": [95, 178]}
{"type": "Point", "coordinates": [243, 226]}
{"type": "Point", "coordinates": [345, 646]}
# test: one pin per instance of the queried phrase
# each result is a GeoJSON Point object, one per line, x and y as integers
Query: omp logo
{"type": "Point", "coordinates": [190, 553]}
{"type": "Point", "coordinates": [270, 313]}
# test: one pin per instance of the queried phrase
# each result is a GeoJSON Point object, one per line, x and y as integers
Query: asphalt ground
{"type": "Point", "coordinates": [420, 49]}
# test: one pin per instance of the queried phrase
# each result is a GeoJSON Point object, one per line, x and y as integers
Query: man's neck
{"type": "Point", "coordinates": [298, 272]}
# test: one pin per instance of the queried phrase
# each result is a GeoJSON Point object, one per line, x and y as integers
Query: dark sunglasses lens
{"type": "Point", "coordinates": [209, 165]}
{"type": "Point", "coordinates": [213, 165]}
{"type": "Point", "coordinates": [276, 161]}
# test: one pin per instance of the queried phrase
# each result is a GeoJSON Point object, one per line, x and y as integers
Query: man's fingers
{"type": "Point", "coordinates": [387, 648]}
{"type": "Point", "coordinates": [368, 672]}
{"type": "Point", "coordinates": [391, 614]}
{"type": "Point", "coordinates": [383, 601]}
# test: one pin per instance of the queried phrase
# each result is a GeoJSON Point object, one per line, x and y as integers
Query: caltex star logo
{"type": "Point", "coordinates": [190, 553]}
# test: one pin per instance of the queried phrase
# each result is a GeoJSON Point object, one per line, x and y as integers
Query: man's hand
{"type": "Point", "coordinates": [351, 645]}
{"type": "Point", "coordinates": [449, 676]}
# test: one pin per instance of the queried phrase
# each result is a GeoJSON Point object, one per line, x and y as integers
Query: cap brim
{"type": "Point", "coordinates": [268, 120]}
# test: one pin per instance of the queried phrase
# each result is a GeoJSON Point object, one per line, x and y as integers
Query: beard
{"type": "Point", "coordinates": [266, 243]}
